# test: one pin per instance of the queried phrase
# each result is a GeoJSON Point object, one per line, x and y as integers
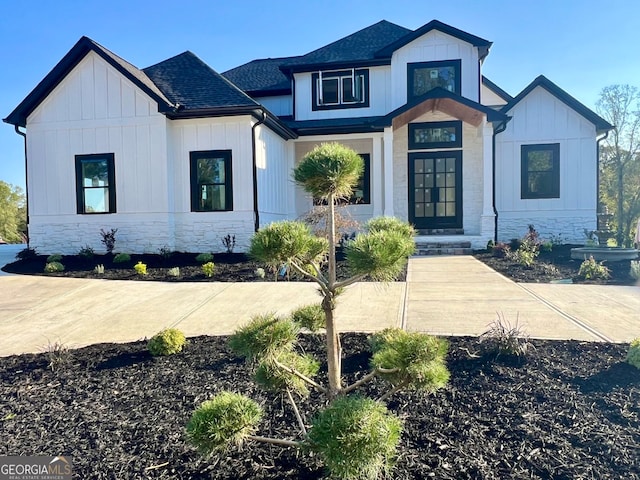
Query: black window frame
{"type": "Point", "coordinates": [412, 67]}
{"type": "Point", "coordinates": [80, 160]}
{"type": "Point", "coordinates": [554, 190]}
{"type": "Point", "coordinates": [196, 185]}
{"type": "Point", "coordinates": [414, 145]}
{"type": "Point", "coordinates": [342, 103]}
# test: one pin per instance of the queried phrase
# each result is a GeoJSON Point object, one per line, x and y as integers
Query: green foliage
{"type": "Point", "coordinates": [109, 239]}
{"type": "Point", "coordinates": [524, 256]}
{"type": "Point", "coordinates": [356, 437]}
{"type": "Point", "coordinates": [167, 342]}
{"type": "Point", "coordinates": [329, 169]}
{"type": "Point", "coordinates": [501, 250]}
{"type": "Point", "coordinates": [53, 267]}
{"type": "Point", "coordinates": [59, 355]}
{"type": "Point", "coordinates": [592, 270]}
{"type": "Point", "coordinates": [13, 213]}
{"type": "Point", "coordinates": [56, 257]}
{"type": "Point", "coordinates": [122, 258]}
{"type": "Point", "coordinates": [174, 272]}
{"type": "Point", "coordinates": [140, 268]}
{"type": "Point", "coordinates": [311, 317]}
{"type": "Point", "coordinates": [99, 269]}
{"type": "Point", "coordinates": [227, 419]}
{"type": "Point", "coordinates": [204, 257]}
{"type": "Point", "coordinates": [26, 254]}
{"type": "Point", "coordinates": [272, 376]}
{"type": "Point", "coordinates": [259, 272]}
{"type": "Point", "coordinates": [86, 252]}
{"type": "Point", "coordinates": [283, 242]}
{"type": "Point", "coordinates": [418, 358]}
{"type": "Point", "coordinates": [390, 224]}
{"type": "Point", "coordinates": [208, 269]}
{"type": "Point", "coordinates": [546, 246]}
{"type": "Point", "coordinates": [503, 338]}
{"type": "Point", "coordinates": [265, 335]}
{"type": "Point", "coordinates": [634, 269]}
{"type": "Point", "coordinates": [380, 254]}
{"type": "Point", "coordinates": [633, 354]}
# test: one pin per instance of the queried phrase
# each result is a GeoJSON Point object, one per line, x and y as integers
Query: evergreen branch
{"type": "Point", "coordinates": [300, 376]}
{"type": "Point", "coordinates": [275, 441]}
{"type": "Point", "coordinates": [297, 412]}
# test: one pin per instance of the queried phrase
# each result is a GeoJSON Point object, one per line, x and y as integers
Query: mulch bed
{"type": "Point", "coordinates": [555, 265]}
{"type": "Point", "coordinates": [570, 410]}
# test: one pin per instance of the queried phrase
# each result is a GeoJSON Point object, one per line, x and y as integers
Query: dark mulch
{"type": "Point", "coordinates": [555, 265]}
{"type": "Point", "coordinates": [569, 411]}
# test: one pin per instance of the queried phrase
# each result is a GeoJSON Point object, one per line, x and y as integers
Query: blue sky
{"type": "Point", "coordinates": [582, 46]}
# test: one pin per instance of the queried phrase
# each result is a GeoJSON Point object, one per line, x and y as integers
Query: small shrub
{"type": "Point", "coordinates": [58, 355]}
{"type": "Point", "coordinates": [501, 250]}
{"type": "Point", "coordinates": [109, 239]}
{"type": "Point", "coordinates": [99, 269]}
{"type": "Point", "coordinates": [26, 254]}
{"type": "Point", "coordinates": [122, 258]}
{"type": "Point", "coordinates": [592, 270]}
{"type": "Point", "coordinates": [165, 252]}
{"type": "Point", "coordinates": [546, 246]}
{"type": "Point", "coordinates": [356, 437]}
{"type": "Point", "coordinates": [634, 269]}
{"type": "Point", "coordinates": [208, 269]}
{"type": "Point", "coordinates": [56, 257]}
{"type": "Point", "coordinates": [174, 272]}
{"type": "Point", "coordinates": [265, 335]}
{"type": "Point", "coordinates": [503, 338]}
{"type": "Point", "coordinates": [524, 256]}
{"type": "Point", "coordinates": [227, 419]}
{"type": "Point", "coordinates": [310, 317]}
{"type": "Point", "coordinates": [490, 245]}
{"type": "Point", "coordinates": [514, 243]}
{"type": "Point", "coordinates": [204, 258]}
{"type": "Point", "coordinates": [86, 252]}
{"type": "Point", "coordinates": [53, 267]}
{"type": "Point", "coordinates": [229, 243]}
{"type": "Point", "coordinates": [140, 268]}
{"type": "Point", "coordinates": [167, 342]}
{"type": "Point", "coordinates": [260, 273]}
{"type": "Point", "coordinates": [633, 354]}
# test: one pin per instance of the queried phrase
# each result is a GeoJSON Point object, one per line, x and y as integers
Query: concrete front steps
{"type": "Point", "coordinates": [447, 244]}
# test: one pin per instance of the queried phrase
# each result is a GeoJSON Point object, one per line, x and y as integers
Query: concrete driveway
{"type": "Point", "coordinates": [442, 295]}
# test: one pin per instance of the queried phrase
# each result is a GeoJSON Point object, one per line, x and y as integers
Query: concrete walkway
{"type": "Point", "coordinates": [442, 295]}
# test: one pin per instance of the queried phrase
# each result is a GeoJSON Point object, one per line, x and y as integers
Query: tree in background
{"type": "Point", "coordinates": [620, 158]}
{"type": "Point", "coordinates": [13, 214]}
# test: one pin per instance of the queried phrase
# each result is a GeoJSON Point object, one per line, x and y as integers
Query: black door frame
{"type": "Point", "coordinates": [436, 222]}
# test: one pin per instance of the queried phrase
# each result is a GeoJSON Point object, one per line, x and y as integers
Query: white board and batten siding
{"type": "Point", "coordinates": [96, 110]}
{"type": "Point", "coordinates": [203, 231]}
{"type": "Point", "coordinates": [434, 46]}
{"type": "Point", "coordinates": [541, 118]}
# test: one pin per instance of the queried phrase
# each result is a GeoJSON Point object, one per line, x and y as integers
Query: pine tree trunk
{"type": "Point", "coordinates": [334, 350]}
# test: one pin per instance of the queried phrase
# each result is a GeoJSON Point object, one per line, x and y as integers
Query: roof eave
{"type": "Point", "coordinates": [346, 64]}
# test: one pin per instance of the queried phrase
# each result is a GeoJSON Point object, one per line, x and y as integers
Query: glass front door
{"type": "Point", "coordinates": [435, 190]}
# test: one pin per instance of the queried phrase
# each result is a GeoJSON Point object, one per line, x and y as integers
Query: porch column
{"type": "Point", "coordinates": [388, 172]}
{"type": "Point", "coordinates": [487, 226]}
{"type": "Point", "coordinates": [377, 176]}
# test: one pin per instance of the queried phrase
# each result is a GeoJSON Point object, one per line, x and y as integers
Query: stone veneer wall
{"type": "Point", "coordinates": [565, 229]}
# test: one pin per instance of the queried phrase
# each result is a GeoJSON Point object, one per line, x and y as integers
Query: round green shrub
{"type": "Point", "coordinates": [227, 419]}
{"type": "Point", "coordinates": [53, 267]}
{"type": "Point", "coordinates": [208, 269]}
{"type": "Point", "coordinates": [263, 336]}
{"type": "Point", "coordinates": [633, 355]}
{"type": "Point", "coordinates": [356, 437]}
{"type": "Point", "coordinates": [310, 317]}
{"type": "Point", "coordinates": [204, 258]}
{"type": "Point", "coordinates": [167, 342]}
{"type": "Point", "coordinates": [122, 258]}
{"type": "Point", "coordinates": [417, 358]}
{"type": "Point", "coordinates": [271, 376]}
{"type": "Point", "coordinates": [56, 257]}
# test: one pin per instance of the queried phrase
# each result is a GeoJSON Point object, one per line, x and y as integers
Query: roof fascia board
{"type": "Point", "coordinates": [314, 67]}
{"type": "Point", "coordinates": [496, 89]}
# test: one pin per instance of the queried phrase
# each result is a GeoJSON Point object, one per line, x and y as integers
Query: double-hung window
{"type": "Point", "coordinates": [340, 89]}
{"type": "Point", "coordinates": [95, 183]}
{"type": "Point", "coordinates": [540, 166]}
{"type": "Point", "coordinates": [211, 186]}
{"type": "Point", "coordinates": [425, 76]}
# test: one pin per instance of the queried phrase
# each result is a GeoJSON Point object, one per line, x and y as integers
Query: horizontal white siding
{"type": "Point", "coordinates": [379, 97]}
{"type": "Point", "coordinates": [541, 118]}
{"type": "Point", "coordinates": [434, 46]}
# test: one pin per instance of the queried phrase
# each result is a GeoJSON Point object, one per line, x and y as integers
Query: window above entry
{"type": "Point", "coordinates": [425, 76]}
{"type": "Point", "coordinates": [340, 89]}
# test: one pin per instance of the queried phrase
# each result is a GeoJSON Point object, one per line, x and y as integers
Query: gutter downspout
{"type": "Point", "coordinates": [606, 135]}
{"type": "Point", "coordinates": [501, 128]}
{"type": "Point", "coordinates": [256, 213]}
{"type": "Point", "coordinates": [26, 177]}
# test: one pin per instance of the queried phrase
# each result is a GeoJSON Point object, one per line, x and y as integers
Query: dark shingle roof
{"type": "Point", "coordinates": [261, 76]}
{"type": "Point", "coordinates": [188, 81]}
{"type": "Point", "coordinates": [541, 81]}
{"type": "Point", "coordinates": [359, 47]}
